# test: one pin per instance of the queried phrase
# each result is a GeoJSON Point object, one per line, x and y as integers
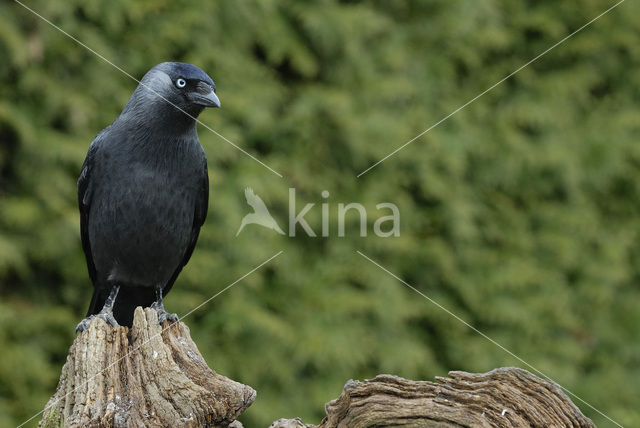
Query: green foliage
{"type": "Point", "coordinates": [519, 213]}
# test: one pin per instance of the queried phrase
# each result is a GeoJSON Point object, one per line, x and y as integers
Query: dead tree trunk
{"type": "Point", "coordinates": [504, 397]}
{"type": "Point", "coordinates": [150, 375]}
{"type": "Point", "coordinates": [154, 376]}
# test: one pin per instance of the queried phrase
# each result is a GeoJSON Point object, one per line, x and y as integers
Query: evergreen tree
{"type": "Point", "coordinates": [520, 213]}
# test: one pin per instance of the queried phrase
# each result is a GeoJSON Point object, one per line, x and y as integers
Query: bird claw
{"type": "Point", "coordinates": [109, 318]}
{"type": "Point", "coordinates": [84, 324]}
{"type": "Point", "coordinates": [163, 315]}
{"type": "Point", "coordinates": [106, 316]}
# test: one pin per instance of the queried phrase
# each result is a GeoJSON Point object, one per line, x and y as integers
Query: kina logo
{"type": "Point", "coordinates": [384, 226]}
{"type": "Point", "coordinates": [260, 214]}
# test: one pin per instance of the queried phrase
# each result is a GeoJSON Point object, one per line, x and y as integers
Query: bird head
{"type": "Point", "coordinates": [175, 87]}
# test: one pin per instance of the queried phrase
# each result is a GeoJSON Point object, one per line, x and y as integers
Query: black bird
{"type": "Point", "coordinates": [143, 194]}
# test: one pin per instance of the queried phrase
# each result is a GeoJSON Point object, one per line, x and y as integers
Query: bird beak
{"type": "Point", "coordinates": [206, 100]}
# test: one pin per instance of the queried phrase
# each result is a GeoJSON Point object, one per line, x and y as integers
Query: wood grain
{"type": "Point", "coordinates": [150, 375]}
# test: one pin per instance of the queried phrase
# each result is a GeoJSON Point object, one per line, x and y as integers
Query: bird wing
{"type": "Point", "coordinates": [85, 192]}
{"type": "Point", "coordinates": [200, 214]}
{"type": "Point", "coordinates": [84, 205]}
{"type": "Point", "coordinates": [255, 202]}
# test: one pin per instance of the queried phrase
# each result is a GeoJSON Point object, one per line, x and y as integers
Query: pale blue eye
{"type": "Point", "coordinates": [181, 83]}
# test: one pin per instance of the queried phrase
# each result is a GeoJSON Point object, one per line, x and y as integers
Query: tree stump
{"type": "Point", "coordinates": [148, 376]}
{"type": "Point", "coordinates": [154, 376]}
{"type": "Point", "coordinates": [504, 397]}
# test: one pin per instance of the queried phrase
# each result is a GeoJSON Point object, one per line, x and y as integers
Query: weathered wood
{"type": "Point", "coordinates": [505, 397]}
{"type": "Point", "coordinates": [154, 376]}
{"type": "Point", "coordinates": [290, 423]}
{"type": "Point", "coordinates": [150, 375]}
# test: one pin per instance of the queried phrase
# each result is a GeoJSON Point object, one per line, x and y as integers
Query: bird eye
{"type": "Point", "coordinates": [181, 83]}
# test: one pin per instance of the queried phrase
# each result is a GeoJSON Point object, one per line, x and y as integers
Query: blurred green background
{"type": "Point", "coordinates": [520, 213]}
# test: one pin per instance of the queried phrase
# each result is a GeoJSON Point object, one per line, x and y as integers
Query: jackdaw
{"type": "Point", "coordinates": [143, 194]}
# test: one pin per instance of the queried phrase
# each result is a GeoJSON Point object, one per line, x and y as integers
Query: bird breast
{"type": "Point", "coordinates": [141, 219]}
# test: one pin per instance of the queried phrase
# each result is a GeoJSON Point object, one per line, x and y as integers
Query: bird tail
{"type": "Point", "coordinates": [244, 223]}
{"type": "Point", "coordinates": [128, 299]}
{"type": "Point", "coordinates": [97, 302]}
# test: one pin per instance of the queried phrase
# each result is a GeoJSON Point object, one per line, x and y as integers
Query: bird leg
{"type": "Point", "coordinates": [106, 313]}
{"type": "Point", "coordinates": [159, 308]}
